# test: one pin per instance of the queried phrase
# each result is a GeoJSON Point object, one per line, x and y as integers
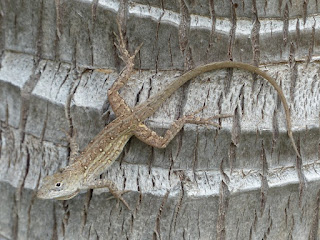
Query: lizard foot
{"type": "Point", "coordinates": [191, 118]}
{"type": "Point", "coordinates": [118, 195]}
{"type": "Point", "coordinates": [102, 183]}
{"type": "Point", "coordinates": [121, 45]}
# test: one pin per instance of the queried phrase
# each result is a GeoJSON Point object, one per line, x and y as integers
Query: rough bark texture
{"type": "Point", "coordinates": [241, 182]}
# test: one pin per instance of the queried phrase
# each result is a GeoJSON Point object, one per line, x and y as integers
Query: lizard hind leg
{"type": "Point", "coordinates": [151, 138]}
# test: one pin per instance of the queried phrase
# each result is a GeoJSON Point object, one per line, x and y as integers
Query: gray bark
{"type": "Point", "coordinates": [240, 182]}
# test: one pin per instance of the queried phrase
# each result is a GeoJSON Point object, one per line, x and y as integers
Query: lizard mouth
{"type": "Point", "coordinates": [67, 197]}
{"type": "Point", "coordinates": [42, 195]}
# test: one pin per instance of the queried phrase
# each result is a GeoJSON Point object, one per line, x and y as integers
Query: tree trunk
{"type": "Point", "coordinates": [242, 181]}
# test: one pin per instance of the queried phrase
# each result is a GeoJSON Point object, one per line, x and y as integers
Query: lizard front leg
{"type": "Point", "coordinates": [73, 145]}
{"type": "Point", "coordinates": [105, 183]}
{"type": "Point", "coordinates": [151, 138]}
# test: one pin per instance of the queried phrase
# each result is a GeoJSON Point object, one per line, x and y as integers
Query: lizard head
{"type": "Point", "coordinates": [62, 185]}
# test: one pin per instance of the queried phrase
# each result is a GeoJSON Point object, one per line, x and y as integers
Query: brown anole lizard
{"type": "Point", "coordinates": [105, 148]}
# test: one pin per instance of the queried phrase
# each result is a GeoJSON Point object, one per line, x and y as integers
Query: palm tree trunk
{"type": "Point", "coordinates": [242, 181]}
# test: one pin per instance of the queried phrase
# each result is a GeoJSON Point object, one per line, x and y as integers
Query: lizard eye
{"type": "Point", "coordinates": [58, 184]}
